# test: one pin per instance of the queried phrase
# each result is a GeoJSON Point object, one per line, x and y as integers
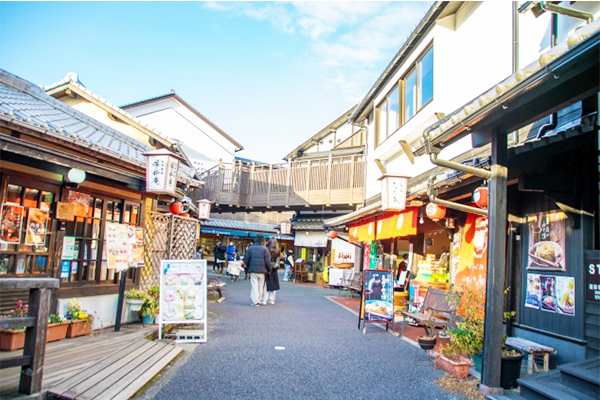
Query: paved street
{"type": "Point", "coordinates": [325, 356]}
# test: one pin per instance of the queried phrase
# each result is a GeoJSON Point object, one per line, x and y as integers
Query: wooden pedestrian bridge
{"type": "Point", "coordinates": [335, 182]}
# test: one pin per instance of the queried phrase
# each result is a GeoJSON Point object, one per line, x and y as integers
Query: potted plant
{"type": "Point", "coordinates": [135, 298]}
{"type": "Point", "coordinates": [427, 342]}
{"type": "Point", "coordinates": [510, 364]}
{"type": "Point", "coordinates": [57, 328]}
{"type": "Point", "coordinates": [14, 338]}
{"type": "Point", "coordinates": [150, 306]}
{"type": "Point", "coordinates": [81, 321]}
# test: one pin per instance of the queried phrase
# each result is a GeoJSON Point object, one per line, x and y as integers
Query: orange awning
{"type": "Point", "coordinates": [398, 224]}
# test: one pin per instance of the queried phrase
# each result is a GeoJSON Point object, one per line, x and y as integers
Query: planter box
{"type": "Point", "coordinates": [56, 332]}
{"type": "Point", "coordinates": [458, 369]}
{"type": "Point", "coordinates": [79, 328]}
{"type": "Point", "coordinates": [12, 340]}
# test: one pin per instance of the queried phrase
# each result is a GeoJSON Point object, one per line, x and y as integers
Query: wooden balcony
{"type": "Point", "coordinates": [335, 182]}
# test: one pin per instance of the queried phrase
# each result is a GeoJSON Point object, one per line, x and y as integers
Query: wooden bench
{"type": "Point", "coordinates": [532, 349]}
{"type": "Point", "coordinates": [353, 285]}
{"type": "Point", "coordinates": [436, 312]}
{"type": "Point", "coordinates": [214, 286]}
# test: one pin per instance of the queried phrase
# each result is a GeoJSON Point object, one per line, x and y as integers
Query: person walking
{"type": "Point", "coordinates": [219, 252]}
{"type": "Point", "coordinates": [258, 261]}
{"type": "Point", "coordinates": [230, 252]}
{"type": "Point", "coordinates": [272, 278]}
{"type": "Point", "coordinates": [288, 261]}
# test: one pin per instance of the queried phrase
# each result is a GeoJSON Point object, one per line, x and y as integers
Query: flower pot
{"type": "Point", "coordinates": [134, 305]}
{"type": "Point", "coordinates": [458, 368]}
{"type": "Point", "coordinates": [510, 370]}
{"type": "Point", "coordinates": [79, 327]}
{"type": "Point", "coordinates": [11, 340]}
{"type": "Point", "coordinates": [148, 319]}
{"type": "Point", "coordinates": [477, 361]}
{"type": "Point", "coordinates": [426, 343]}
{"type": "Point", "coordinates": [56, 332]}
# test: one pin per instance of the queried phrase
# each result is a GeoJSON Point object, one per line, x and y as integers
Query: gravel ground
{"type": "Point", "coordinates": [325, 355]}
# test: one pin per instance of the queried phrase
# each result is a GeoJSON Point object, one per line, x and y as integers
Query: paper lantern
{"type": "Point", "coordinates": [435, 211]}
{"type": "Point", "coordinates": [204, 209]}
{"type": "Point", "coordinates": [176, 208]}
{"type": "Point", "coordinates": [162, 168]}
{"type": "Point", "coordinates": [332, 234]}
{"type": "Point", "coordinates": [285, 227]}
{"type": "Point", "coordinates": [186, 215]}
{"type": "Point", "coordinates": [480, 196]}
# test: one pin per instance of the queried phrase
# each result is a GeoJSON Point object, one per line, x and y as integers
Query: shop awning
{"type": "Point", "coordinates": [387, 226]}
{"type": "Point", "coordinates": [310, 239]}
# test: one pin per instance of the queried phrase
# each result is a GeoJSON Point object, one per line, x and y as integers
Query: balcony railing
{"type": "Point", "coordinates": [325, 181]}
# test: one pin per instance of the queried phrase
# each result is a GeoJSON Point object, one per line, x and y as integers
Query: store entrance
{"type": "Point", "coordinates": [314, 259]}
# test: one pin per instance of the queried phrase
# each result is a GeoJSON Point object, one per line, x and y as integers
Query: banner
{"type": "Point", "coordinates": [472, 263]}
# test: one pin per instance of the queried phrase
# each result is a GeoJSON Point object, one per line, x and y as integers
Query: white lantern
{"type": "Point", "coordinates": [204, 209]}
{"type": "Point", "coordinates": [393, 192]}
{"type": "Point", "coordinates": [162, 168]}
{"type": "Point", "coordinates": [286, 228]}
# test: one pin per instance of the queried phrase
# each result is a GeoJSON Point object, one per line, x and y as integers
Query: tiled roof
{"type": "Point", "coordinates": [315, 224]}
{"type": "Point", "coordinates": [26, 104]}
{"type": "Point", "coordinates": [240, 225]}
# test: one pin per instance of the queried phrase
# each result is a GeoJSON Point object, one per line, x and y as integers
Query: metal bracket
{"type": "Point", "coordinates": [432, 193]}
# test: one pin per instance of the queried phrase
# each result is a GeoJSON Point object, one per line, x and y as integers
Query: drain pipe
{"type": "Point", "coordinates": [366, 128]}
{"type": "Point", "coordinates": [433, 192]}
{"type": "Point", "coordinates": [569, 12]}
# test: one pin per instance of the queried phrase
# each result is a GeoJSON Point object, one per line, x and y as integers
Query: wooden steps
{"type": "Point", "coordinates": [109, 365]}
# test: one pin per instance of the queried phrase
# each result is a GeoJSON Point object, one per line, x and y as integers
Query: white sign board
{"type": "Point", "coordinates": [310, 239]}
{"type": "Point", "coordinates": [342, 252]}
{"type": "Point", "coordinates": [183, 294]}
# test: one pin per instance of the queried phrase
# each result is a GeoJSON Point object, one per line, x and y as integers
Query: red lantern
{"type": "Point", "coordinates": [176, 208]}
{"type": "Point", "coordinates": [186, 215]}
{"type": "Point", "coordinates": [435, 211]}
{"type": "Point", "coordinates": [332, 234]}
{"type": "Point", "coordinates": [480, 196]}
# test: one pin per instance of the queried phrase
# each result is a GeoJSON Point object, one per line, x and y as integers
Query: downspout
{"type": "Point", "coordinates": [554, 116]}
{"type": "Point", "coordinates": [366, 128]}
{"type": "Point", "coordinates": [569, 12]}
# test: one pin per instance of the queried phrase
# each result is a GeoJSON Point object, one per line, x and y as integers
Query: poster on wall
{"type": "Point", "coordinates": [565, 294]}
{"type": "Point", "coordinates": [183, 293]}
{"type": "Point", "coordinates": [548, 285]}
{"type": "Point", "coordinates": [12, 218]}
{"type": "Point", "coordinates": [65, 266]}
{"type": "Point", "coordinates": [117, 246]}
{"type": "Point", "coordinates": [379, 295]}
{"type": "Point", "coordinates": [36, 227]}
{"type": "Point", "coordinates": [533, 297]}
{"type": "Point", "coordinates": [135, 246]}
{"type": "Point", "coordinates": [68, 248]}
{"type": "Point", "coordinates": [80, 203]}
{"type": "Point", "coordinates": [546, 247]}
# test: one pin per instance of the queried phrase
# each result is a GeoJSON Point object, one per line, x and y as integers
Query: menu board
{"type": "Point", "coordinates": [592, 276]}
{"type": "Point", "coordinates": [117, 245]}
{"type": "Point", "coordinates": [12, 218]}
{"type": "Point", "coordinates": [379, 295]}
{"type": "Point", "coordinates": [546, 249]}
{"type": "Point", "coordinates": [183, 292]}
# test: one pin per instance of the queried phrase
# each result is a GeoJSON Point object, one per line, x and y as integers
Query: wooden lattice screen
{"type": "Point", "coordinates": [166, 237]}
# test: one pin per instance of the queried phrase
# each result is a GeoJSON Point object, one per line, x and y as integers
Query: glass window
{"type": "Point", "coordinates": [393, 112]}
{"type": "Point", "coordinates": [14, 193]}
{"type": "Point", "coordinates": [410, 95]}
{"type": "Point", "coordinates": [31, 198]}
{"type": "Point", "coordinates": [426, 78]}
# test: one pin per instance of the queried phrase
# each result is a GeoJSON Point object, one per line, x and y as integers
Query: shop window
{"type": "Point", "coordinates": [14, 194]}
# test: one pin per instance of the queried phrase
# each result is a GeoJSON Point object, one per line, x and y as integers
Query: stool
{"type": "Point", "coordinates": [532, 349]}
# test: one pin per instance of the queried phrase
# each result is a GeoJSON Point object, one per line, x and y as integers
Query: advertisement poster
{"type": "Point", "coordinates": [547, 241]}
{"type": "Point", "coordinates": [565, 294]}
{"type": "Point", "coordinates": [117, 256]}
{"type": "Point", "coordinates": [68, 249]}
{"type": "Point", "coordinates": [80, 203]}
{"type": "Point", "coordinates": [548, 285]}
{"type": "Point", "coordinates": [65, 266]}
{"type": "Point", "coordinates": [12, 218]}
{"type": "Point", "coordinates": [472, 262]}
{"type": "Point", "coordinates": [379, 296]}
{"type": "Point", "coordinates": [533, 299]}
{"type": "Point", "coordinates": [36, 227]}
{"type": "Point", "coordinates": [183, 292]}
{"type": "Point", "coordinates": [135, 239]}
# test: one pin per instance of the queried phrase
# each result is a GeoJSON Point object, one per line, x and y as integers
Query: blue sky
{"type": "Point", "coordinates": [269, 74]}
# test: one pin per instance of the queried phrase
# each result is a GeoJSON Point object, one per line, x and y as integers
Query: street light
{"type": "Point", "coordinates": [204, 209]}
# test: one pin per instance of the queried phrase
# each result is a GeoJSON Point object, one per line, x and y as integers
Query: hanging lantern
{"type": "Point", "coordinates": [285, 228]}
{"type": "Point", "coordinates": [435, 211]}
{"type": "Point", "coordinates": [480, 196]}
{"type": "Point", "coordinates": [176, 208]}
{"type": "Point", "coordinates": [162, 168]}
{"type": "Point", "coordinates": [393, 192]}
{"type": "Point", "coordinates": [204, 209]}
{"type": "Point", "coordinates": [332, 234]}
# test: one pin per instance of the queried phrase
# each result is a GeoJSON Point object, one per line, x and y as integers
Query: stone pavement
{"type": "Point", "coordinates": [304, 347]}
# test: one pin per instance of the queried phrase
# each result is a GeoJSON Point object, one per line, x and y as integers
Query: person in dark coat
{"type": "Point", "coordinates": [219, 252]}
{"type": "Point", "coordinates": [272, 278]}
{"type": "Point", "coordinates": [258, 261]}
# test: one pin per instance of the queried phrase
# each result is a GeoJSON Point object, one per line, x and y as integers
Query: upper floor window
{"type": "Point", "coordinates": [415, 90]}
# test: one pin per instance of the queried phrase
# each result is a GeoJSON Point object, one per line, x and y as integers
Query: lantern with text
{"type": "Point", "coordinates": [393, 192]}
{"type": "Point", "coordinates": [162, 168]}
{"type": "Point", "coordinates": [435, 211]}
{"type": "Point", "coordinates": [286, 228]}
{"type": "Point", "coordinates": [204, 209]}
{"type": "Point", "coordinates": [480, 196]}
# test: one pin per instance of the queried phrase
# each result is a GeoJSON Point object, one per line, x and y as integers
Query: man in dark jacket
{"type": "Point", "coordinates": [258, 261]}
{"type": "Point", "coordinates": [219, 252]}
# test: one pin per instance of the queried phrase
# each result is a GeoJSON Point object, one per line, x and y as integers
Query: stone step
{"type": "Point", "coordinates": [549, 386]}
{"type": "Point", "coordinates": [504, 397]}
{"type": "Point", "coordinates": [583, 375]}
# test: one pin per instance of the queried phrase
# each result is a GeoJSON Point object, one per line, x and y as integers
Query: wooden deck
{"type": "Point", "coordinates": [106, 365]}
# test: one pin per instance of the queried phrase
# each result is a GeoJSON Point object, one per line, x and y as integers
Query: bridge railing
{"type": "Point", "coordinates": [331, 180]}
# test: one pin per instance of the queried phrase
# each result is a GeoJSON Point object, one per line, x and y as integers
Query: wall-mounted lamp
{"type": "Point", "coordinates": [75, 177]}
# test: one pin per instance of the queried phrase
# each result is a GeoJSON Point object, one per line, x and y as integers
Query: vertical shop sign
{"type": "Point", "coordinates": [592, 276]}
{"type": "Point", "coordinates": [373, 256]}
{"type": "Point", "coordinates": [546, 250]}
{"type": "Point", "coordinates": [379, 296]}
{"type": "Point", "coordinates": [183, 294]}
{"type": "Point", "coordinates": [367, 256]}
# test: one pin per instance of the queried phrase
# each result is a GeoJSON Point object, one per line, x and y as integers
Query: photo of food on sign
{"type": "Point", "coordinates": [183, 302]}
{"type": "Point", "coordinates": [548, 285]}
{"type": "Point", "coordinates": [565, 294]}
{"type": "Point", "coordinates": [12, 217]}
{"type": "Point", "coordinates": [534, 291]}
{"type": "Point", "coordinates": [36, 226]}
{"type": "Point", "coordinates": [547, 241]}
